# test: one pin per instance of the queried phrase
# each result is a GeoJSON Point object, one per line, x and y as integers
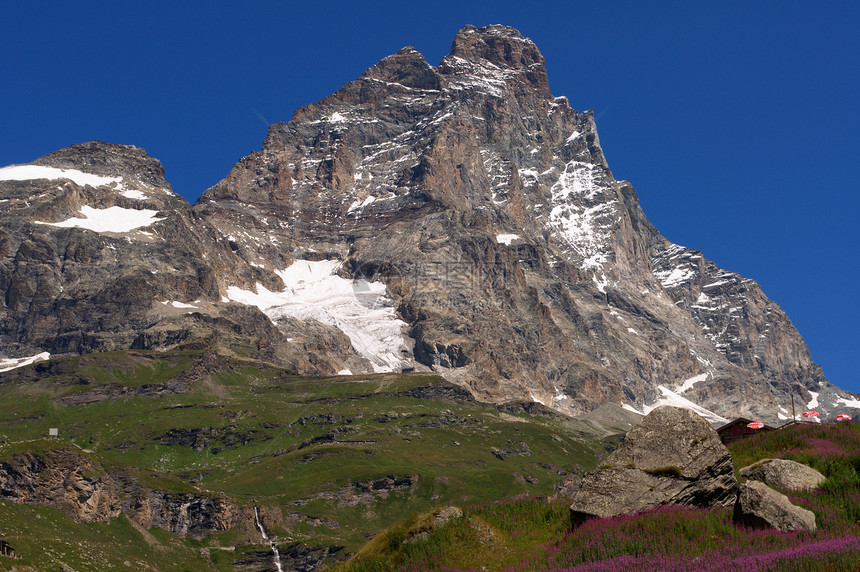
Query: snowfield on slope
{"type": "Point", "coordinates": [111, 219]}
{"type": "Point", "coordinates": [34, 172]}
{"type": "Point", "coordinates": [358, 308]}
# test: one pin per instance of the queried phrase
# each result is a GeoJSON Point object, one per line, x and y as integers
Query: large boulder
{"type": "Point", "coordinates": [673, 457]}
{"type": "Point", "coordinates": [784, 474]}
{"type": "Point", "coordinates": [759, 506]}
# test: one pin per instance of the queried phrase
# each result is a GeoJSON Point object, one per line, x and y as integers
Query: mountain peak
{"type": "Point", "coordinates": [407, 67]}
{"type": "Point", "coordinates": [498, 47]}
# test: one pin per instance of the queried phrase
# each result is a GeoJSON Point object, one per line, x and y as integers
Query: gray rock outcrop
{"type": "Point", "coordinates": [784, 474]}
{"type": "Point", "coordinates": [183, 514]}
{"type": "Point", "coordinates": [446, 515]}
{"type": "Point", "coordinates": [62, 479]}
{"type": "Point", "coordinates": [759, 506]}
{"type": "Point", "coordinates": [672, 457]}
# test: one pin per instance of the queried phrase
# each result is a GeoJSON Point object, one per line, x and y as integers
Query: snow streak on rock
{"type": "Point", "coordinates": [675, 400]}
{"type": "Point", "coordinates": [582, 215]}
{"type": "Point", "coordinates": [689, 383]}
{"type": "Point", "coordinates": [7, 364]}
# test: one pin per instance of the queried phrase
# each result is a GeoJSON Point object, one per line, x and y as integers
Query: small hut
{"type": "Point", "coordinates": [6, 550]}
{"type": "Point", "coordinates": [737, 429]}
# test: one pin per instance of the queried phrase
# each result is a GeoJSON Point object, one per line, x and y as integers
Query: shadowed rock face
{"type": "Point", "coordinates": [521, 268]}
{"type": "Point", "coordinates": [672, 457]}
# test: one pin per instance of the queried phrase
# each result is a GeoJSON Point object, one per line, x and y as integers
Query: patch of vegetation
{"type": "Point", "coordinates": [668, 471]}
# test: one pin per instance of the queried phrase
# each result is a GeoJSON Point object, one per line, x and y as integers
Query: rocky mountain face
{"type": "Point", "coordinates": [458, 218]}
{"type": "Point", "coordinates": [98, 254]}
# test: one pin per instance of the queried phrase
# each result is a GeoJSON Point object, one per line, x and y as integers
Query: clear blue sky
{"type": "Point", "coordinates": [737, 122]}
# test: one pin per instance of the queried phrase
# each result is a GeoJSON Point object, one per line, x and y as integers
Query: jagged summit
{"type": "Point", "coordinates": [407, 68]}
{"type": "Point", "coordinates": [496, 51]}
{"type": "Point", "coordinates": [500, 46]}
{"type": "Point", "coordinates": [459, 219]}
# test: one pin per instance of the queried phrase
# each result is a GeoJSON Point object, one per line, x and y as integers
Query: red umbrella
{"type": "Point", "coordinates": [810, 413]}
{"type": "Point", "coordinates": [755, 425]}
{"type": "Point", "coordinates": [843, 417]}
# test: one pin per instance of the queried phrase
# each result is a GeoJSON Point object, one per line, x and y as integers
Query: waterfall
{"type": "Point", "coordinates": [259, 524]}
{"type": "Point", "coordinates": [277, 555]}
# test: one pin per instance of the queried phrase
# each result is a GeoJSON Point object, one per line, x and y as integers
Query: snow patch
{"type": "Point", "coordinates": [852, 402]}
{"type": "Point", "coordinates": [674, 277]}
{"type": "Point", "coordinates": [689, 383]}
{"type": "Point", "coordinates": [356, 307]}
{"type": "Point", "coordinates": [358, 204]}
{"type": "Point", "coordinates": [345, 372]}
{"type": "Point", "coordinates": [34, 172]}
{"type": "Point", "coordinates": [586, 229]}
{"type": "Point", "coordinates": [7, 364]}
{"type": "Point", "coordinates": [111, 219]}
{"type": "Point", "coordinates": [631, 408]}
{"type": "Point", "coordinates": [506, 238]}
{"type": "Point", "coordinates": [180, 305]}
{"type": "Point", "coordinates": [132, 194]}
{"type": "Point", "coordinates": [813, 403]}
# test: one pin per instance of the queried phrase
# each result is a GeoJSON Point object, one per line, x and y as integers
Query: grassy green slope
{"type": "Point", "coordinates": [333, 461]}
{"type": "Point", "coordinates": [46, 539]}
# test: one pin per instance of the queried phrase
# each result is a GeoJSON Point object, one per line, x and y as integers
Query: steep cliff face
{"type": "Point", "coordinates": [459, 218]}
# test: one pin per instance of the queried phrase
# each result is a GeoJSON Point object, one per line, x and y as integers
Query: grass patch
{"type": "Point", "coordinates": [668, 471]}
